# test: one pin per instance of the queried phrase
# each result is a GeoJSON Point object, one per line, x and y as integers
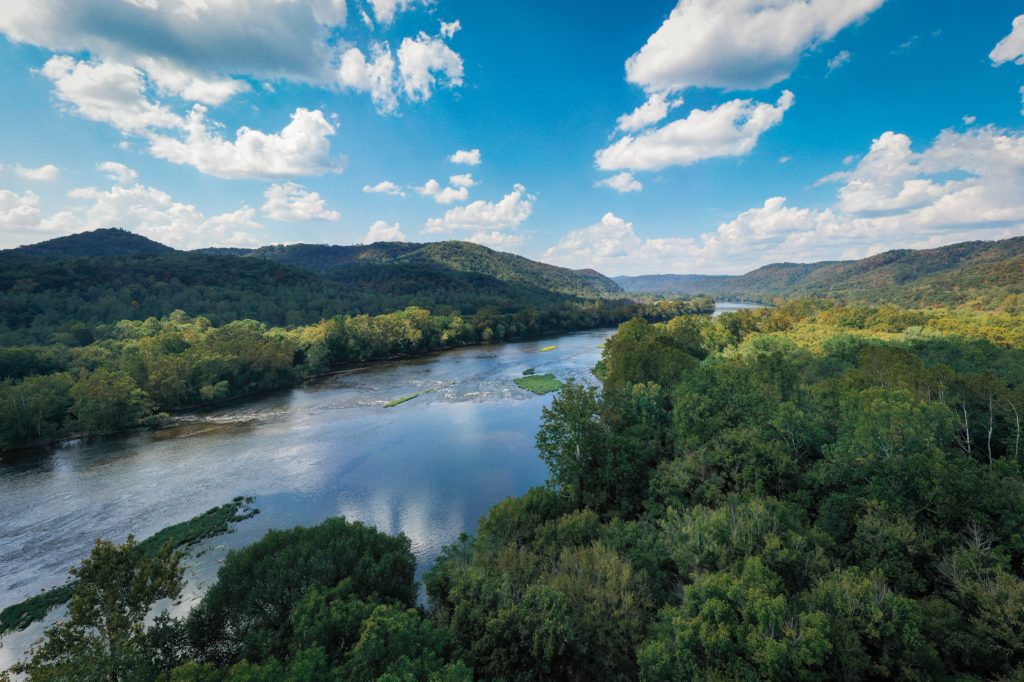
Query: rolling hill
{"type": "Point", "coordinates": [68, 286]}
{"type": "Point", "coordinates": [451, 255]}
{"type": "Point", "coordinates": [958, 273]}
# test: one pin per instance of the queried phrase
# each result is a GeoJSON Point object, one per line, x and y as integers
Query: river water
{"type": "Point", "coordinates": [429, 468]}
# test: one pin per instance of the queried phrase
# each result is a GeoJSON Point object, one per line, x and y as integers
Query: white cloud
{"type": "Point", "coordinates": [385, 10]}
{"type": "Point", "coordinates": [376, 77]}
{"type": "Point", "coordinates": [292, 203]}
{"type": "Point", "coordinates": [842, 57]}
{"type": "Point", "coordinates": [301, 148]}
{"type": "Point", "coordinates": [207, 40]}
{"type": "Point", "coordinates": [174, 80]}
{"type": "Point", "coordinates": [458, 189]}
{"type": "Point", "coordinates": [47, 173]}
{"type": "Point", "coordinates": [422, 60]}
{"type": "Point", "coordinates": [738, 44]}
{"type": "Point", "coordinates": [969, 120]}
{"type": "Point", "coordinates": [423, 64]}
{"type": "Point", "coordinates": [118, 172]}
{"type": "Point", "coordinates": [1010, 48]}
{"type": "Point", "coordinates": [18, 211]}
{"type": "Point", "coordinates": [497, 240]}
{"type": "Point", "coordinates": [466, 157]}
{"type": "Point", "coordinates": [510, 211]}
{"type": "Point", "coordinates": [730, 129]}
{"type": "Point", "coordinates": [964, 186]}
{"type": "Point", "coordinates": [621, 182]}
{"type": "Point", "coordinates": [208, 51]}
{"type": "Point", "coordinates": [384, 187]}
{"type": "Point", "coordinates": [650, 112]}
{"type": "Point", "coordinates": [450, 28]}
{"type": "Point", "coordinates": [383, 231]}
{"type": "Point", "coordinates": [109, 93]}
{"type": "Point", "coordinates": [142, 209]}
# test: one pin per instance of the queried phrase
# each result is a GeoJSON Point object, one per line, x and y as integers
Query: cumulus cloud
{"type": "Point", "coordinates": [292, 203]}
{"type": "Point", "coordinates": [211, 50]}
{"type": "Point", "coordinates": [1010, 48]}
{"type": "Point", "coordinates": [47, 173]}
{"type": "Point", "coordinates": [384, 187]}
{"type": "Point", "coordinates": [730, 129]}
{"type": "Point", "coordinates": [191, 45]}
{"type": "Point", "coordinates": [139, 208]}
{"type": "Point", "coordinates": [109, 93]}
{"type": "Point", "coordinates": [497, 240]}
{"type": "Point", "coordinates": [385, 10]}
{"type": "Point", "coordinates": [621, 182]}
{"type": "Point", "coordinates": [18, 211]}
{"type": "Point", "coordinates": [737, 44]}
{"type": "Point", "coordinates": [962, 187]}
{"type": "Point", "coordinates": [423, 62]}
{"type": "Point", "coordinates": [383, 231]}
{"type": "Point", "coordinates": [650, 112]}
{"type": "Point", "coordinates": [171, 79]}
{"type": "Point", "coordinates": [118, 172]}
{"type": "Point", "coordinates": [842, 57]}
{"type": "Point", "coordinates": [457, 190]}
{"type": "Point", "coordinates": [466, 157]}
{"type": "Point", "coordinates": [301, 148]}
{"type": "Point", "coordinates": [510, 211]}
{"type": "Point", "coordinates": [375, 76]}
{"type": "Point", "coordinates": [450, 28]}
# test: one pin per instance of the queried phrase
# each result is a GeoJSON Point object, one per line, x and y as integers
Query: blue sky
{"type": "Point", "coordinates": [698, 136]}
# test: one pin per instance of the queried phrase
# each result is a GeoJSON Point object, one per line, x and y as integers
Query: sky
{"type": "Point", "coordinates": [698, 136]}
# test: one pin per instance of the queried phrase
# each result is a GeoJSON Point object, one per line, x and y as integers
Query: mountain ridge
{"type": "Point", "coordinates": [954, 273]}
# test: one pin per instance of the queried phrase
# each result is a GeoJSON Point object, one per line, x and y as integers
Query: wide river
{"type": "Point", "coordinates": [429, 468]}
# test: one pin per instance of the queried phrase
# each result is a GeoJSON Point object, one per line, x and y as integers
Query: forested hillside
{"type": "Point", "coordinates": [64, 289]}
{"type": "Point", "coordinates": [806, 492]}
{"type": "Point", "coordinates": [451, 255]}
{"type": "Point", "coordinates": [983, 273]}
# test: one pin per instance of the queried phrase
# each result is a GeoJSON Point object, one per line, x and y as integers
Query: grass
{"type": "Point", "coordinates": [539, 383]}
{"type": "Point", "coordinates": [211, 523]}
{"type": "Point", "coordinates": [545, 349]}
{"type": "Point", "coordinates": [407, 398]}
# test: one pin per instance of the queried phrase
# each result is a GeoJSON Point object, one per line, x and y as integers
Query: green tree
{"type": "Point", "coordinates": [103, 636]}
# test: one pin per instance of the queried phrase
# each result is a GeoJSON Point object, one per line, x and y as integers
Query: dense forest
{"type": "Point", "coordinates": [979, 273]}
{"type": "Point", "coordinates": [806, 492]}
{"type": "Point", "coordinates": [134, 371]}
{"type": "Point", "coordinates": [64, 289]}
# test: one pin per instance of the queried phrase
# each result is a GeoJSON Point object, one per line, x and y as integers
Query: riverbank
{"type": "Point", "coordinates": [180, 536]}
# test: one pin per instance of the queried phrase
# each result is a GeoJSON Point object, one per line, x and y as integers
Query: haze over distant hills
{"type": "Point", "coordinates": [949, 274]}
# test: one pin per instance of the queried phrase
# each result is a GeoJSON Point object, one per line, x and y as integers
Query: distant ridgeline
{"type": "Point", "coordinates": [69, 286]}
{"type": "Point", "coordinates": [971, 272]}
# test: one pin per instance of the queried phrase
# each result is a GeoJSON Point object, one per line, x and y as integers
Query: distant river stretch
{"type": "Point", "coordinates": [429, 468]}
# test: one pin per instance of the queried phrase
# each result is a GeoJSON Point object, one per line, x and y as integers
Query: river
{"type": "Point", "coordinates": [429, 468]}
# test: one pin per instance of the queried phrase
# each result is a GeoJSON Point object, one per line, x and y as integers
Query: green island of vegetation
{"type": "Point", "coordinates": [529, 372]}
{"type": "Point", "coordinates": [539, 383]}
{"type": "Point", "coordinates": [211, 523]}
{"type": "Point", "coordinates": [407, 398]}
